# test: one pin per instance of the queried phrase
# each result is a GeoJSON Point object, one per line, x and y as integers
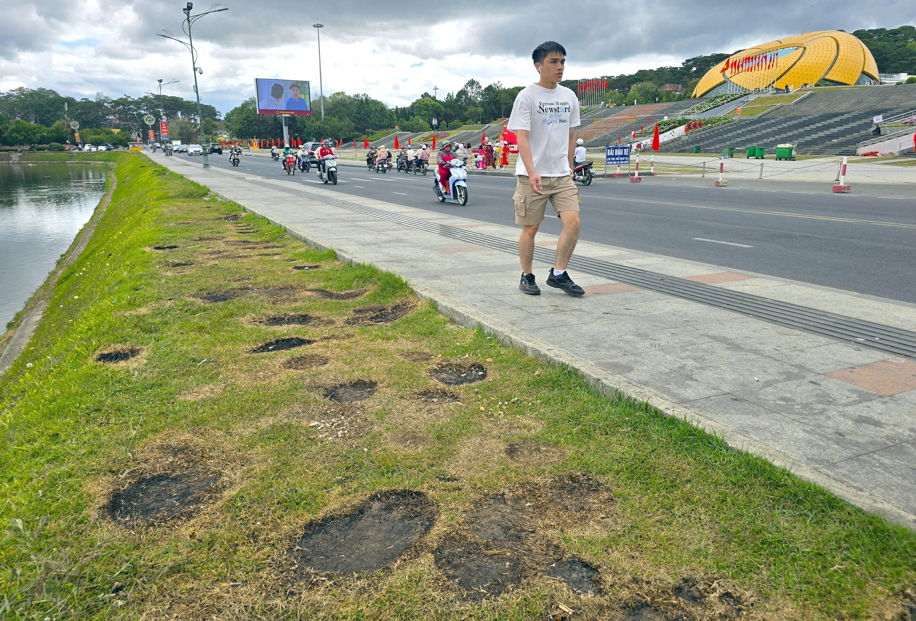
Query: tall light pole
{"type": "Point", "coordinates": [161, 84]}
{"type": "Point", "coordinates": [318, 27]}
{"type": "Point", "coordinates": [435, 93]}
{"type": "Point", "coordinates": [186, 28]}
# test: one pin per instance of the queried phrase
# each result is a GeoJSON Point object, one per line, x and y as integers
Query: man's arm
{"type": "Point", "coordinates": [572, 148]}
{"type": "Point", "coordinates": [524, 152]}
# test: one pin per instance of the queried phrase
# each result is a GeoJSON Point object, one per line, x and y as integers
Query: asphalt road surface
{"type": "Point", "coordinates": [854, 243]}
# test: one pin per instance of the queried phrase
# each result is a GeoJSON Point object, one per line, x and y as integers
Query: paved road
{"type": "Point", "coordinates": [861, 244]}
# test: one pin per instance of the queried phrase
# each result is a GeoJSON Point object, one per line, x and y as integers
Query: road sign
{"type": "Point", "coordinates": [74, 125]}
{"type": "Point", "coordinates": [149, 119]}
{"type": "Point", "coordinates": [617, 156]}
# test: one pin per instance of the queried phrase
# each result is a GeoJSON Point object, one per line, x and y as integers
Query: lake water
{"type": "Point", "coordinates": [42, 208]}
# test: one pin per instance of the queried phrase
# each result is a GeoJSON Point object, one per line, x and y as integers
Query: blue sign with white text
{"type": "Point", "coordinates": [617, 156]}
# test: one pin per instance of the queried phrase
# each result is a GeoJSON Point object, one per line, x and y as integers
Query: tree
{"type": "Point", "coordinates": [643, 92]}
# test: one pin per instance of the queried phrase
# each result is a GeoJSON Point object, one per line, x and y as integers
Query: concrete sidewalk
{"type": "Point", "coordinates": [837, 413]}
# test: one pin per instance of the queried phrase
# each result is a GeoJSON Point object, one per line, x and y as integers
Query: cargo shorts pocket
{"type": "Point", "coordinates": [520, 205]}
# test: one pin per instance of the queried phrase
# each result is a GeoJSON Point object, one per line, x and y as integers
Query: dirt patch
{"type": "Point", "coordinates": [179, 264]}
{"type": "Point", "coordinates": [416, 356]}
{"type": "Point", "coordinates": [305, 361]}
{"type": "Point", "coordinates": [437, 396]}
{"type": "Point", "coordinates": [220, 296]}
{"type": "Point", "coordinates": [378, 315]}
{"type": "Point", "coordinates": [355, 391]}
{"type": "Point", "coordinates": [306, 268]}
{"type": "Point", "coordinates": [533, 453]}
{"type": "Point", "coordinates": [367, 538]}
{"type": "Point", "coordinates": [161, 497]}
{"type": "Point", "coordinates": [287, 319]}
{"type": "Point", "coordinates": [281, 345]}
{"type": "Point", "coordinates": [338, 295]}
{"type": "Point", "coordinates": [480, 569]}
{"type": "Point", "coordinates": [114, 355]}
{"type": "Point", "coordinates": [169, 247]}
{"type": "Point", "coordinates": [579, 575]}
{"type": "Point", "coordinates": [455, 375]}
{"type": "Point", "coordinates": [500, 519]}
{"type": "Point", "coordinates": [231, 218]}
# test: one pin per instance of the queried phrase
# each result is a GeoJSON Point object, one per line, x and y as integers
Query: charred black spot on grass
{"type": "Point", "coordinates": [161, 497]}
{"type": "Point", "coordinates": [281, 345]}
{"type": "Point", "coordinates": [479, 569]}
{"type": "Point", "coordinates": [116, 355]}
{"type": "Point", "coordinates": [367, 538]}
{"type": "Point", "coordinates": [579, 575]}
{"type": "Point", "coordinates": [378, 315]}
{"type": "Point", "coordinates": [220, 296]}
{"type": "Point", "coordinates": [354, 391]}
{"type": "Point", "coordinates": [338, 295]}
{"type": "Point", "coordinates": [166, 247]}
{"type": "Point", "coordinates": [287, 319]}
{"type": "Point", "coordinates": [455, 375]}
{"type": "Point", "coordinates": [305, 361]}
{"type": "Point", "coordinates": [306, 268]}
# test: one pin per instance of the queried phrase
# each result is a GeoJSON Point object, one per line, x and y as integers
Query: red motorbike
{"type": "Point", "coordinates": [583, 173]}
{"type": "Point", "coordinates": [290, 164]}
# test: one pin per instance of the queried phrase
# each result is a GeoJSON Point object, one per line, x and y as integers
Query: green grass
{"type": "Point", "coordinates": [685, 505]}
{"type": "Point", "coordinates": [778, 99]}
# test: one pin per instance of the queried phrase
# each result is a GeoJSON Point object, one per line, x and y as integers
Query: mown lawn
{"type": "Point", "coordinates": [216, 421]}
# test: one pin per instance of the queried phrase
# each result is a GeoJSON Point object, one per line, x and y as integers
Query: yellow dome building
{"type": "Point", "coordinates": [826, 56]}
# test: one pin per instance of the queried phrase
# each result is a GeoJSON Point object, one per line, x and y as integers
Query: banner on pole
{"type": "Point", "coordinates": [152, 135]}
{"type": "Point", "coordinates": [164, 130]}
{"type": "Point", "coordinates": [617, 155]}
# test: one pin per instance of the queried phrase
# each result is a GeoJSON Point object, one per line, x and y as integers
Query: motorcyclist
{"type": "Point", "coordinates": [235, 151]}
{"type": "Point", "coordinates": [411, 157]}
{"type": "Point", "coordinates": [402, 158]}
{"type": "Point", "coordinates": [287, 151]}
{"type": "Point", "coordinates": [324, 151]}
{"type": "Point", "coordinates": [371, 155]}
{"type": "Point", "coordinates": [423, 156]}
{"type": "Point", "coordinates": [382, 155]}
{"type": "Point", "coordinates": [274, 152]}
{"type": "Point", "coordinates": [579, 154]}
{"type": "Point", "coordinates": [442, 159]}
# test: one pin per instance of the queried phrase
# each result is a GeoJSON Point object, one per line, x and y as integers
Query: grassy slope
{"type": "Point", "coordinates": [73, 430]}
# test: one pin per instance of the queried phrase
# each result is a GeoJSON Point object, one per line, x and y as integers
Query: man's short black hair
{"type": "Point", "coordinates": [545, 49]}
{"type": "Point", "coordinates": [276, 90]}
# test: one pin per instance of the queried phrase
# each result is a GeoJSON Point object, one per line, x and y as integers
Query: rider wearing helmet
{"type": "Point", "coordinates": [579, 154]}
{"type": "Point", "coordinates": [323, 151]}
{"type": "Point", "coordinates": [443, 158]}
{"type": "Point", "coordinates": [382, 155]}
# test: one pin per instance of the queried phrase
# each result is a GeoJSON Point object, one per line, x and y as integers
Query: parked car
{"type": "Point", "coordinates": [215, 148]}
{"type": "Point", "coordinates": [195, 149]}
{"type": "Point", "coordinates": [108, 147]}
{"type": "Point", "coordinates": [90, 148]}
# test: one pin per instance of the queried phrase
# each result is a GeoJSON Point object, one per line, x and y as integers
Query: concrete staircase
{"type": "Point", "coordinates": [607, 129]}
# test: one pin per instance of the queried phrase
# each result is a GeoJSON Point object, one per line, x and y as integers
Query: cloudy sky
{"type": "Point", "coordinates": [392, 50]}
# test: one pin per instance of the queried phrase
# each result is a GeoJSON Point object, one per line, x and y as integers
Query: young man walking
{"type": "Point", "coordinates": [543, 117]}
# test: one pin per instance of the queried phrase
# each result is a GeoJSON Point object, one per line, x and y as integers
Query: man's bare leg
{"type": "Point", "coordinates": [567, 242]}
{"type": "Point", "coordinates": [526, 246]}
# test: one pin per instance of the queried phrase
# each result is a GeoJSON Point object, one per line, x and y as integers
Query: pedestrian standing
{"type": "Point", "coordinates": [504, 159]}
{"type": "Point", "coordinates": [489, 156]}
{"type": "Point", "coordinates": [544, 116]}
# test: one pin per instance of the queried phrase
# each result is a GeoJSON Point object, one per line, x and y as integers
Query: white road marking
{"type": "Point", "coordinates": [716, 241]}
{"type": "Point", "coordinates": [401, 193]}
{"type": "Point", "coordinates": [359, 186]}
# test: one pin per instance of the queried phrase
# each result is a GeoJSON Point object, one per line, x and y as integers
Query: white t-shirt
{"type": "Point", "coordinates": [548, 114]}
{"type": "Point", "coordinates": [579, 155]}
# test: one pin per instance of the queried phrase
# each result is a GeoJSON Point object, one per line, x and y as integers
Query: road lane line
{"type": "Point", "coordinates": [400, 193]}
{"type": "Point", "coordinates": [716, 241]}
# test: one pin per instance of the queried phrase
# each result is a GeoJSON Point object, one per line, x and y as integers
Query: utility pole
{"type": "Point", "coordinates": [318, 27]}
{"type": "Point", "coordinates": [436, 93]}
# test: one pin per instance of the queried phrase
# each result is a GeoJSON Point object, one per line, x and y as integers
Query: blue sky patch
{"type": "Point", "coordinates": [87, 42]}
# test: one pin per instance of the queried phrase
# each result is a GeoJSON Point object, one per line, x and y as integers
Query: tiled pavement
{"type": "Point", "coordinates": [838, 414]}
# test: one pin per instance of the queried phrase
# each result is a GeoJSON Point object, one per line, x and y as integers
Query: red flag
{"type": "Point", "coordinates": [656, 142]}
{"type": "Point", "coordinates": [618, 139]}
{"type": "Point", "coordinates": [483, 138]}
{"type": "Point", "coordinates": [724, 67]}
{"type": "Point", "coordinates": [396, 145]}
{"type": "Point", "coordinates": [365, 142]}
{"type": "Point", "coordinates": [434, 141]}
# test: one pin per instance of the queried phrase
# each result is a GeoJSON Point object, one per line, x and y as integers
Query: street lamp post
{"type": "Point", "coordinates": [189, 21]}
{"type": "Point", "coordinates": [161, 109]}
{"type": "Point", "coordinates": [318, 27]}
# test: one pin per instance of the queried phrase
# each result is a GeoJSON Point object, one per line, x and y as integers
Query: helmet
{"type": "Point", "coordinates": [580, 142]}
{"type": "Point", "coordinates": [325, 142]}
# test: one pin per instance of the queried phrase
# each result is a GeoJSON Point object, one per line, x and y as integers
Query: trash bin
{"type": "Point", "coordinates": [751, 152]}
{"type": "Point", "coordinates": [760, 152]}
{"type": "Point", "coordinates": [696, 148]}
{"type": "Point", "coordinates": [785, 152]}
{"type": "Point", "coordinates": [729, 152]}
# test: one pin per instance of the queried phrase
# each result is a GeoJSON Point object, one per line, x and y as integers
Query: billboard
{"type": "Point", "coordinates": [276, 96]}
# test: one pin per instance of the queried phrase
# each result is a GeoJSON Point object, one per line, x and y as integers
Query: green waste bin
{"type": "Point", "coordinates": [729, 152]}
{"type": "Point", "coordinates": [785, 153]}
{"type": "Point", "coordinates": [696, 148]}
{"type": "Point", "coordinates": [760, 152]}
{"type": "Point", "coordinates": [751, 152]}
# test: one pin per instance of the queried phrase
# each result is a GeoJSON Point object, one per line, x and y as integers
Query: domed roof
{"type": "Point", "coordinates": [803, 59]}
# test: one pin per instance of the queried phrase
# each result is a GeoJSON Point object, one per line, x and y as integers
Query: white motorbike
{"type": "Point", "coordinates": [330, 169]}
{"type": "Point", "coordinates": [458, 185]}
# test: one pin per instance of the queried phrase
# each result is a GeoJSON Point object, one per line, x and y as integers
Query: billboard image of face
{"type": "Point", "coordinates": [276, 96]}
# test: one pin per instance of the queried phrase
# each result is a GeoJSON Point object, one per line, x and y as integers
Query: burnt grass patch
{"type": "Point", "coordinates": [180, 264]}
{"type": "Point", "coordinates": [166, 247]}
{"type": "Point", "coordinates": [354, 391]}
{"type": "Point", "coordinates": [283, 344]}
{"type": "Point", "coordinates": [287, 319]}
{"type": "Point", "coordinates": [378, 315]}
{"type": "Point", "coordinates": [531, 452]}
{"type": "Point", "coordinates": [479, 569]}
{"type": "Point", "coordinates": [324, 294]}
{"type": "Point", "coordinates": [305, 361]}
{"type": "Point", "coordinates": [306, 268]}
{"type": "Point", "coordinates": [455, 375]}
{"type": "Point", "coordinates": [368, 537]}
{"type": "Point", "coordinates": [579, 575]}
{"type": "Point", "coordinates": [437, 396]}
{"type": "Point", "coordinates": [162, 497]}
{"type": "Point", "coordinates": [114, 356]}
{"type": "Point", "coordinates": [220, 296]}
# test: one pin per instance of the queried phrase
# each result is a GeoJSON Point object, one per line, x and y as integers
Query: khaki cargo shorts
{"type": "Point", "coordinates": [530, 207]}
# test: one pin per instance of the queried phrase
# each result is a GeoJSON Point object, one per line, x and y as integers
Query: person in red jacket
{"type": "Point", "coordinates": [443, 158]}
{"type": "Point", "coordinates": [324, 150]}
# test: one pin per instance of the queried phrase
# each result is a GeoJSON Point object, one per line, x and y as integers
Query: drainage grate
{"type": "Point", "coordinates": [840, 327]}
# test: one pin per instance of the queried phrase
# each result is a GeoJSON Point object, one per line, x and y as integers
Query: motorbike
{"type": "Point", "coordinates": [421, 166]}
{"type": "Point", "coordinates": [290, 164]}
{"type": "Point", "coordinates": [330, 169]}
{"type": "Point", "coordinates": [583, 173]}
{"type": "Point", "coordinates": [234, 159]}
{"type": "Point", "coordinates": [382, 165]}
{"type": "Point", "coordinates": [370, 161]}
{"type": "Point", "coordinates": [274, 153]}
{"type": "Point", "coordinates": [403, 165]}
{"type": "Point", "coordinates": [458, 185]}
{"type": "Point", "coordinates": [303, 163]}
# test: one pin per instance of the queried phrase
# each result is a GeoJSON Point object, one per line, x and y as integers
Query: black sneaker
{"type": "Point", "coordinates": [565, 283]}
{"type": "Point", "coordinates": [528, 286]}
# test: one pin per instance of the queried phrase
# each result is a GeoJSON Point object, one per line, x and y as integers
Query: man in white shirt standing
{"type": "Point", "coordinates": [543, 117]}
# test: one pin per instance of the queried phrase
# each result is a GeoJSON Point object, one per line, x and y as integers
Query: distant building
{"type": "Point", "coordinates": [674, 88]}
{"type": "Point", "coordinates": [825, 57]}
{"type": "Point", "coordinates": [894, 78]}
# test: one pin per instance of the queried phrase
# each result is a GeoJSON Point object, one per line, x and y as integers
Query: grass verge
{"type": "Point", "coordinates": [215, 421]}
